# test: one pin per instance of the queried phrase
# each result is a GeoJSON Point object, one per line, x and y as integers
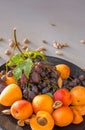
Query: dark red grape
{"type": "Point", "coordinates": [46, 90]}
{"type": "Point", "coordinates": [35, 89]}
{"type": "Point", "coordinates": [81, 77]}
{"type": "Point", "coordinates": [31, 95]}
{"type": "Point", "coordinates": [35, 77]}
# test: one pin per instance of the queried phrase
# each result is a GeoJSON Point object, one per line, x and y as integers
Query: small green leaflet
{"type": "Point", "coordinates": [34, 54]}
{"type": "Point", "coordinates": [25, 66]}
{"type": "Point", "coordinates": [15, 60]}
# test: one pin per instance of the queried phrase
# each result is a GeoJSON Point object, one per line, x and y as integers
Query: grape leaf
{"type": "Point", "coordinates": [25, 66]}
{"type": "Point", "coordinates": [34, 54]}
{"type": "Point", "coordinates": [15, 60]}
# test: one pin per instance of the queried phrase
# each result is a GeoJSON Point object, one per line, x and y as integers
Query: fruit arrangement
{"type": "Point", "coordinates": [41, 95]}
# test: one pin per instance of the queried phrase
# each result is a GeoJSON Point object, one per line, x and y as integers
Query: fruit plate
{"type": "Point", "coordinates": [9, 123]}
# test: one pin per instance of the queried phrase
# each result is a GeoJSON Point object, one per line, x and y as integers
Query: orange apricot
{"type": "Point", "coordinates": [21, 109]}
{"type": "Point", "coordinates": [78, 95]}
{"type": "Point", "coordinates": [64, 70]}
{"type": "Point", "coordinates": [10, 80]}
{"type": "Point", "coordinates": [43, 102]}
{"type": "Point", "coordinates": [10, 94]}
{"type": "Point", "coordinates": [42, 121]}
{"type": "Point", "coordinates": [63, 116]}
{"type": "Point", "coordinates": [77, 117]}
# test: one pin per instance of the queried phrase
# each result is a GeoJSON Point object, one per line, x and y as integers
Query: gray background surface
{"type": "Point", "coordinates": [33, 19]}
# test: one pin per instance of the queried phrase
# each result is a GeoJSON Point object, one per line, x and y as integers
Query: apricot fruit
{"type": "Point", "coordinates": [63, 116]}
{"type": "Point", "coordinates": [10, 94]}
{"type": "Point", "coordinates": [43, 102]}
{"type": "Point", "coordinates": [21, 109]}
{"type": "Point", "coordinates": [64, 70]}
{"type": "Point", "coordinates": [10, 80]}
{"type": "Point", "coordinates": [78, 95]}
{"type": "Point", "coordinates": [42, 121]}
{"type": "Point", "coordinates": [80, 109]}
{"type": "Point", "coordinates": [77, 118]}
{"type": "Point", "coordinates": [63, 95]}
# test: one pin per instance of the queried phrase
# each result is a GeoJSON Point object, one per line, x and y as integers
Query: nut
{"type": "Point", "coordinates": [27, 121]}
{"type": "Point", "coordinates": [59, 53]}
{"type": "Point", "coordinates": [60, 82]}
{"type": "Point", "coordinates": [26, 41]}
{"type": "Point", "coordinates": [20, 122]}
{"type": "Point", "coordinates": [59, 45]}
{"type": "Point", "coordinates": [57, 104]}
{"type": "Point", "coordinates": [82, 41]}
{"type": "Point", "coordinates": [41, 49]}
{"type": "Point", "coordinates": [24, 47]}
{"type": "Point", "coordinates": [44, 41]}
{"type": "Point", "coordinates": [6, 112]}
{"type": "Point", "coordinates": [8, 52]}
{"type": "Point", "coordinates": [11, 43]}
{"type": "Point", "coordinates": [1, 39]}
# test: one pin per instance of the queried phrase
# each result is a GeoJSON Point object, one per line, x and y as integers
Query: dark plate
{"type": "Point", "coordinates": [9, 123]}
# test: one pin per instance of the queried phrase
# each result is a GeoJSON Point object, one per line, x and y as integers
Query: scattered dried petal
{"type": "Point", "coordinates": [57, 104]}
{"type": "Point", "coordinates": [1, 39]}
{"type": "Point", "coordinates": [26, 40]}
{"type": "Point", "coordinates": [60, 82]}
{"type": "Point", "coordinates": [21, 123]}
{"type": "Point", "coordinates": [8, 52]}
{"type": "Point", "coordinates": [52, 24]}
{"type": "Point", "coordinates": [24, 47]}
{"type": "Point", "coordinates": [82, 41]}
{"type": "Point", "coordinates": [6, 112]}
{"type": "Point", "coordinates": [59, 53]}
{"type": "Point", "coordinates": [42, 52]}
{"type": "Point", "coordinates": [11, 43]}
{"type": "Point", "coordinates": [44, 41]}
{"type": "Point", "coordinates": [41, 49]}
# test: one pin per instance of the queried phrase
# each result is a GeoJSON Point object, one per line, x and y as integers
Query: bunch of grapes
{"type": "Point", "coordinates": [42, 79]}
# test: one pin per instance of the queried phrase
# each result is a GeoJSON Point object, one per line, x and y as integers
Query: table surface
{"type": "Point", "coordinates": [34, 19]}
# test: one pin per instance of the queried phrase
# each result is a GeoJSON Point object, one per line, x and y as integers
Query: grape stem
{"type": "Point", "coordinates": [16, 43]}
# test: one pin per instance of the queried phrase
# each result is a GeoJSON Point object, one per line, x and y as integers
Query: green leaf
{"type": "Point", "coordinates": [34, 54]}
{"type": "Point", "coordinates": [25, 66]}
{"type": "Point", "coordinates": [28, 64]}
{"type": "Point", "coordinates": [50, 94]}
{"type": "Point", "coordinates": [15, 60]}
{"type": "Point", "coordinates": [17, 73]}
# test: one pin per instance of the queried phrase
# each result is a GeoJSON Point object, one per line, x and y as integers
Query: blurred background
{"type": "Point", "coordinates": [51, 20]}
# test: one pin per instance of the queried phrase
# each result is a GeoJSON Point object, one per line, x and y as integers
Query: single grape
{"type": "Point", "coordinates": [35, 89]}
{"type": "Point", "coordinates": [35, 77]}
{"type": "Point", "coordinates": [46, 90]}
{"type": "Point", "coordinates": [81, 77]}
{"type": "Point", "coordinates": [31, 95]}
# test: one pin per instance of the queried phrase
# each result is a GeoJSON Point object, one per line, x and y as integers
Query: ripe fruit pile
{"type": "Point", "coordinates": [40, 94]}
{"type": "Point", "coordinates": [49, 103]}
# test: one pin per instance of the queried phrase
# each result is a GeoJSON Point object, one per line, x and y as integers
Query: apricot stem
{"type": "Point", "coordinates": [42, 121]}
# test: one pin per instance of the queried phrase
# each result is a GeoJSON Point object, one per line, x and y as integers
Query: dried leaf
{"type": "Point", "coordinates": [6, 112]}
{"type": "Point", "coordinates": [20, 122]}
{"type": "Point", "coordinates": [60, 82]}
{"type": "Point", "coordinates": [57, 104]}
